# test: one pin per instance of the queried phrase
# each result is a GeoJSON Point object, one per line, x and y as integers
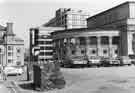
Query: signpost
{"type": "Point", "coordinates": [35, 53]}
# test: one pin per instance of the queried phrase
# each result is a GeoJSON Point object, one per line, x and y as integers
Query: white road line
{"type": "Point", "coordinates": [13, 90]}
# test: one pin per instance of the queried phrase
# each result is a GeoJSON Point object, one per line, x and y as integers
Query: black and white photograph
{"type": "Point", "coordinates": [67, 46]}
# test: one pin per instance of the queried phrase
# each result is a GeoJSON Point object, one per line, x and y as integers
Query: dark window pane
{"type": "Point", "coordinates": [104, 51]}
{"type": "Point", "coordinates": [116, 40]}
{"type": "Point", "coordinates": [104, 40]}
{"type": "Point", "coordinates": [82, 40]}
{"type": "Point", "coordinates": [93, 51]}
{"type": "Point", "coordinates": [82, 51]}
{"type": "Point", "coordinates": [93, 40]}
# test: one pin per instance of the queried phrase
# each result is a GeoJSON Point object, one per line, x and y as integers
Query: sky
{"type": "Point", "coordinates": [32, 13]}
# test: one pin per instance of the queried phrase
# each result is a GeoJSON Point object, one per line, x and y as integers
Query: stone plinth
{"type": "Point", "coordinates": [49, 77]}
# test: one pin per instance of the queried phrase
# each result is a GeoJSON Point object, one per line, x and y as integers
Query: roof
{"type": "Point", "coordinates": [83, 29]}
{"type": "Point", "coordinates": [111, 9]}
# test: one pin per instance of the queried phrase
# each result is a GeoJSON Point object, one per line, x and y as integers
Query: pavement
{"type": "Point", "coordinates": [13, 87]}
{"type": "Point", "coordinates": [12, 84]}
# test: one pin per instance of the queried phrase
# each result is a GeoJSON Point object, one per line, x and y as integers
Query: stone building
{"type": "Point", "coordinates": [13, 47]}
{"type": "Point", "coordinates": [2, 48]}
{"type": "Point", "coordinates": [69, 18]}
{"type": "Point", "coordinates": [73, 43]}
{"type": "Point", "coordinates": [108, 34]}
{"type": "Point", "coordinates": [122, 18]}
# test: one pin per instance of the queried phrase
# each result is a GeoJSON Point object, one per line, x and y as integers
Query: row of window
{"type": "Point", "coordinates": [92, 41]}
{"type": "Point", "coordinates": [44, 42]}
{"type": "Point", "coordinates": [17, 49]}
{"type": "Point", "coordinates": [46, 59]}
{"type": "Point", "coordinates": [11, 61]}
{"type": "Point", "coordinates": [46, 48]}
{"type": "Point", "coordinates": [93, 52]}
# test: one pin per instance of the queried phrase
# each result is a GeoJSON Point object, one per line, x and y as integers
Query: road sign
{"type": "Point", "coordinates": [35, 51]}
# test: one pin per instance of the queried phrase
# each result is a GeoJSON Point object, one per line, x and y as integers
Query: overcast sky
{"type": "Point", "coordinates": [32, 13]}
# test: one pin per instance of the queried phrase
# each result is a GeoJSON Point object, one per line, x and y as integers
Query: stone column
{"type": "Point", "coordinates": [87, 45]}
{"type": "Point", "coordinates": [98, 45]}
{"type": "Point", "coordinates": [68, 47]}
{"type": "Point", "coordinates": [110, 47]}
{"type": "Point", "coordinates": [76, 44]}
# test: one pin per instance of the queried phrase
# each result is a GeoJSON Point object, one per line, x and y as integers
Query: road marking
{"type": "Point", "coordinates": [13, 90]}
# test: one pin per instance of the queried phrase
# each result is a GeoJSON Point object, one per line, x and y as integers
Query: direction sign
{"type": "Point", "coordinates": [35, 51]}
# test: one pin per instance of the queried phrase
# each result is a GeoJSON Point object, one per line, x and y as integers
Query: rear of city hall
{"type": "Point", "coordinates": [108, 34]}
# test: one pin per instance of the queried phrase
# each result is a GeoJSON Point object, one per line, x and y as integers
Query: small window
{"type": "Point", "coordinates": [18, 63]}
{"type": "Point", "coordinates": [9, 61]}
{"type": "Point", "coordinates": [82, 40]}
{"type": "Point", "coordinates": [82, 51]}
{"type": "Point", "coordinates": [10, 47]}
{"type": "Point", "coordinates": [9, 53]}
{"type": "Point", "coordinates": [64, 52]}
{"type": "Point", "coordinates": [93, 51]}
{"type": "Point", "coordinates": [73, 52]}
{"type": "Point", "coordinates": [18, 50]}
{"type": "Point", "coordinates": [116, 51]}
{"type": "Point", "coordinates": [104, 51]}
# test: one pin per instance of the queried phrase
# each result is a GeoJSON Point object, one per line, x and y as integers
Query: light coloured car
{"type": "Point", "coordinates": [13, 71]}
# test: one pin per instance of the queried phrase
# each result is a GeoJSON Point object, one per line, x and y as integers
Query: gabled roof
{"type": "Point", "coordinates": [110, 9]}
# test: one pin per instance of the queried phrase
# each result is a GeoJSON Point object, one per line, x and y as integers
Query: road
{"type": "Point", "coordinates": [8, 86]}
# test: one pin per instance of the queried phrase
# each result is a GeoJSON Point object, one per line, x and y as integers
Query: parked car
{"type": "Point", "coordinates": [13, 71]}
{"type": "Point", "coordinates": [94, 61]}
{"type": "Point", "coordinates": [115, 61]}
{"type": "Point", "coordinates": [105, 61]}
{"type": "Point", "coordinates": [109, 61]}
{"type": "Point", "coordinates": [132, 59]}
{"type": "Point", "coordinates": [125, 60]}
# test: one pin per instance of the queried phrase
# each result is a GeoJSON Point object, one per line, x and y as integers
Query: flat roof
{"type": "Point", "coordinates": [111, 9]}
{"type": "Point", "coordinates": [83, 29]}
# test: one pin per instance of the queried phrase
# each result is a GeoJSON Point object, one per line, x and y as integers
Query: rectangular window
{"type": "Point", "coordinates": [93, 40]}
{"type": "Point", "coordinates": [9, 53]}
{"type": "Point", "coordinates": [73, 52]}
{"type": "Point", "coordinates": [48, 53]}
{"type": "Point", "coordinates": [10, 47]}
{"type": "Point", "coordinates": [82, 40]}
{"type": "Point", "coordinates": [48, 42]}
{"type": "Point", "coordinates": [49, 48]}
{"type": "Point", "coordinates": [9, 60]}
{"type": "Point", "coordinates": [105, 40]}
{"type": "Point", "coordinates": [116, 40]}
{"type": "Point", "coordinates": [83, 52]}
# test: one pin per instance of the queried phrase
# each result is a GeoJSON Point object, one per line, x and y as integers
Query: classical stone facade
{"type": "Point", "coordinates": [74, 43]}
{"type": "Point", "coordinates": [121, 17]}
{"type": "Point", "coordinates": [13, 48]}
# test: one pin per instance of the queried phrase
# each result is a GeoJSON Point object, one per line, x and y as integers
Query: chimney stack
{"type": "Point", "coordinates": [10, 28]}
